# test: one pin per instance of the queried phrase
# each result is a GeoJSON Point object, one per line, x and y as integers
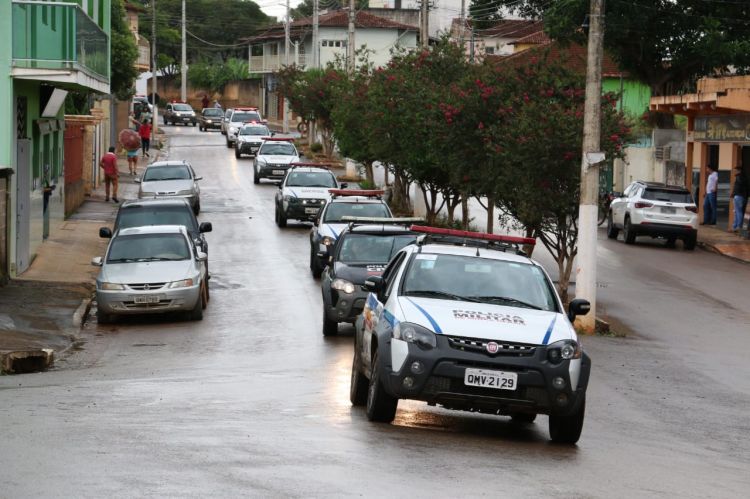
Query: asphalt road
{"type": "Point", "coordinates": [253, 401]}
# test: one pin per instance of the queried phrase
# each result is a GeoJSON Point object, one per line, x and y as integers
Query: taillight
{"type": "Point", "coordinates": [643, 205]}
{"type": "Point", "coordinates": [694, 209]}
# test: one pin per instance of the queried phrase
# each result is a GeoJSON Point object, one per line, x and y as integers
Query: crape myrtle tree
{"type": "Point", "coordinates": [534, 141]}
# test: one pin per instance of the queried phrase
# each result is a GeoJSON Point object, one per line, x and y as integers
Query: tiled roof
{"type": "Point", "coordinates": [533, 39]}
{"type": "Point", "coordinates": [573, 54]}
{"type": "Point", "coordinates": [505, 28]}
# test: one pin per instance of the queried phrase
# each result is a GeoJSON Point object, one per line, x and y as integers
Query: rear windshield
{"type": "Point", "coordinates": [336, 211]}
{"type": "Point", "coordinates": [372, 248]}
{"type": "Point", "coordinates": [212, 112]}
{"type": "Point", "coordinates": [254, 130]}
{"type": "Point", "coordinates": [310, 179]}
{"type": "Point", "coordinates": [668, 195]}
{"type": "Point", "coordinates": [277, 149]}
{"type": "Point", "coordinates": [241, 116]}
{"type": "Point", "coordinates": [182, 107]}
{"type": "Point", "coordinates": [157, 215]}
{"type": "Point", "coordinates": [148, 247]}
{"type": "Point", "coordinates": [176, 172]}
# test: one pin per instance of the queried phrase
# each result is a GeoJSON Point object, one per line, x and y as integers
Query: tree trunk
{"type": "Point", "coordinates": [385, 176]}
{"type": "Point", "coordinates": [465, 211]}
{"type": "Point", "coordinates": [490, 214]}
{"type": "Point", "coordinates": [400, 201]}
{"type": "Point", "coordinates": [369, 175]}
{"type": "Point", "coordinates": [529, 248]}
{"type": "Point", "coordinates": [563, 280]}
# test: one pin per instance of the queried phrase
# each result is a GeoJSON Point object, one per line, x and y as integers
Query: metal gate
{"type": "Point", "coordinates": [73, 167]}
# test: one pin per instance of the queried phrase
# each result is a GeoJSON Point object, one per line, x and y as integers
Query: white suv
{"type": "Point", "coordinates": [654, 209]}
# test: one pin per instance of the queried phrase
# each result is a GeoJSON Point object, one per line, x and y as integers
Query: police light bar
{"type": "Point", "coordinates": [245, 108]}
{"type": "Point", "coordinates": [473, 235]}
{"type": "Point", "coordinates": [382, 220]}
{"type": "Point", "coordinates": [356, 192]}
{"type": "Point", "coordinates": [251, 122]}
{"type": "Point", "coordinates": [311, 165]}
{"type": "Point", "coordinates": [278, 139]}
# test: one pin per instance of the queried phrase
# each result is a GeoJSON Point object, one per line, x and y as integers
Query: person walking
{"type": "Point", "coordinates": [111, 176]}
{"type": "Point", "coordinates": [217, 105]}
{"type": "Point", "coordinates": [740, 192]}
{"type": "Point", "coordinates": [205, 101]}
{"type": "Point", "coordinates": [709, 202]}
{"type": "Point", "coordinates": [145, 133]}
{"type": "Point", "coordinates": [133, 161]}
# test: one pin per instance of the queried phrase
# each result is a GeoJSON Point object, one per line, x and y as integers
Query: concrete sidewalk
{"type": "Point", "coordinates": [42, 310]}
{"type": "Point", "coordinates": [736, 246]}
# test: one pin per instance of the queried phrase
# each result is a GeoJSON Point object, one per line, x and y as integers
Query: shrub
{"type": "Point", "coordinates": [316, 147]}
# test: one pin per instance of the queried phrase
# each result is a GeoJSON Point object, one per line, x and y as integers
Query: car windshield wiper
{"type": "Point", "coordinates": [441, 294]}
{"type": "Point", "coordinates": [120, 260]}
{"type": "Point", "coordinates": [169, 178]}
{"type": "Point", "coordinates": [159, 259]}
{"type": "Point", "coordinates": [507, 299]}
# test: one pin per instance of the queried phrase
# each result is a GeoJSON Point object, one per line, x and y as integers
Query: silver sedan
{"type": "Point", "coordinates": [169, 179]}
{"type": "Point", "coordinates": [148, 270]}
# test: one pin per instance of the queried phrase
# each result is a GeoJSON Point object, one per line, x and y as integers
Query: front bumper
{"type": "Point", "coordinates": [346, 307]}
{"type": "Point", "coordinates": [441, 380]}
{"type": "Point", "coordinates": [272, 171]}
{"type": "Point", "coordinates": [123, 302]}
{"type": "Point", "coordinates": [664, 230]}
{"type": "Point", "coordinates": [183, 119]}
{"type": "Point", "coordinates": [205, 124]}
{"type": "Point", "coordinates": [247, 148]}
{"type": "Point", "coordinates": [301, 211]}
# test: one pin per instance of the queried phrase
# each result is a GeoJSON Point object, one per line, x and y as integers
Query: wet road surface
{"type": "Point", "coordinates": [253, 401]}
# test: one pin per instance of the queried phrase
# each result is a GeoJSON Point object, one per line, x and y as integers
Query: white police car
{"type": "Point", "coordinates": [303, 192]}
{"type": "Point", "coordinates": [344, 203]}
{"type": "Point", "coordinates": [465, 320]}
{"type": "Point", "coordinates": [273, 158]}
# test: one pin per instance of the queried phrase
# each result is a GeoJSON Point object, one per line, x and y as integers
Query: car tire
{"type": "Point", "coordinates": [628, 232]}
{"type": "Point", "coordinates": [197, 313]}
{"type": "Point", "coordinates": [690, 242]}
{"type": "Point", "coordinates": [237, 153]}
{"type": "Point", "coordinates": [197, 208]}
{"type": "Point", "coordinates": [104, 318]}
{"type": "Point", "coordinates": [256, 180]}
{"type": "Point", "coordinates": [315, 268]}
{"type": "Point", "coordinates": [208, 292]}
{"type": "Point", "coordinates": [567, 429]}
{"type": "Point", "coordinates": [280, 218]}
{"type": "Point", "coordinates": [164, 120]}
{"type": "Point", "coordinates": [229, 144]}
{"type": "Point", "coordinates": [522, 417]}
{"type": "Point", "coordinates": [612, 231]}
{"type": "Point", "coordinates": [330, 328]}
{"type": "Point", "coordinates": [671, 242]}
{"type": "Point", "coordinates": [358, 386]}
{"type": "Point", "coordinates": [381, 406]}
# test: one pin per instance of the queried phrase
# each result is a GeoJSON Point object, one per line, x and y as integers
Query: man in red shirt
{"type": "Point", "coordinates": [145, 133]}
{"type": "Point", "coordinates": [109, 164]}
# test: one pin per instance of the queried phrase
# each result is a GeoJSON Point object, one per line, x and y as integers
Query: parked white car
{"type": "Point", "coordinates": [656, 210]}
{"type": "Point", "coordinates": [149, 270]}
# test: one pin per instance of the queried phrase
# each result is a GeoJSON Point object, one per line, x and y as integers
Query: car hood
{"type": "Point", "coordinates": [309, 192]}
{"type": "Point", "coordinates": [486, 321]}
{"type": "Point", "coordinates": [356, 274]}
{"type": "Point", "coordinates": [278, 160]}
{"type": "Point", "coordinates": [166, 186]}
{"type": "Point", "coordinates": [254, 139]}
{"type": "Point", "coordinates": [331, 230]}
{"type": "Point", "coordinates": [146, 272]}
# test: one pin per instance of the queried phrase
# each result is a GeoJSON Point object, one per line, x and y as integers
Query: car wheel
{"type": "Point", "coordinates": [256, 180]}
{"type": "Point", "coordinates": [237, 153]}
{"type": "Point", "coordinates": [330, 328]}
{"type": "Point", "coordinates": [197, 313]}
{"type": "Point", "coordinates": [628, 232]}
{"type": "Point", "coordinates": [567, 429]}
{"type": "Point", "coordinates": [197, 208]}
{"type": "Point", "coordinates": [315, 268]}
{"type": "Point", "coordinates": [164, 120]}
{"type": "Point", "coordinates": [229, 144]}
{"type": "Point", "coordinates": [671, 242]}
{"type": "Point", "coordinates": [280, 218]}
{"type": "Point", "coordinates": [104, 318]}
{"type": "Point", "coordinates": [358, 386]}
{"type": "Point", "coordinates": [523, 417]}
{"type": "Point", "coordinates": [612, 231]}
{"type": "Point", "coordinates": [690, 242]}
{"type": "Point", "coordinates": [381, 406]}
{"type": "Point", "coordinates": [208, 293]}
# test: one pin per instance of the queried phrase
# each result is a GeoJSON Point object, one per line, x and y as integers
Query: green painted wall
{"type": "Point", "coordinates": [6, 86]}
{"type": "Point", "coordinates": [635, 95]}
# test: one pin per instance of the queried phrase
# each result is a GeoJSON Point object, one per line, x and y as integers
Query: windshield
{"type": "Point", "coordinates": [212, 112]}
{"type": "Point", "coordinates": [278, 149]}
{"type": "Point", "coordinates": [479, 279]}
{"type": "Point", "coordinates": [254, 130]}
{"type": "Point", "coordinates": [182, 107]}
{"type": "Point", "coordinates": [148, 247]}
{"type": "Point", "coordinates": [161, 215]}
{"type": "Point", "coordinates": [239, 117]}
{"type": "Point", "coordinates": [371, 248]}
{"type": "Point", "coordinates": [228, 113]}
{"type": "Point", "coordinates": [336, 211]}
{"type": "Point", "coordinates": [310, 179]}
{"type": "Point", "coordinates": [175, 172]}
{"type": "Point", "coordinates": [668, 195]}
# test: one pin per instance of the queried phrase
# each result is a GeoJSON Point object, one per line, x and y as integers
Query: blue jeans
{"type": "Point", "coordinates": [709, 209]}
{"type": "Point", "coordinates": [740, 203]}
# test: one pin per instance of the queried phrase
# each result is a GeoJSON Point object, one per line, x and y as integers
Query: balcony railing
{"type": "Point", "coordinates": [58, 36]}
{"type": "Point", "coordinates": [271, 63]}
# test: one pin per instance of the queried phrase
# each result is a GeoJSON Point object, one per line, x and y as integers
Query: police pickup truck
{"type": "Point", "coordinates": [303, 192]}
{"type": "Point", "coordinates": [467, 321]}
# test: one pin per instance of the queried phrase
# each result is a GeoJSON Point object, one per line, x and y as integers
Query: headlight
{"type": "Point", "coordinates": [111, 286]}
{"type": "Point", "coordinates": [563, 350]}
{"type": "Point", "coordinates": [416, 334]}
{"type": "Point", "coordinates": [232, 129]}
{"type": "Point", "coordinates": [209, 121]}
{"type": "Point", "coordinates": [185, 192]}
{"type": "Point", "coordinates": [185, 283]}
{"type": "Point", "coordinates": [342, 285]}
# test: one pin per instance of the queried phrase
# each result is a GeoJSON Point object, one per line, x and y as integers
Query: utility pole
{"type": "Point", "coordinates": [591, 158]}
{"type": "Point", "coordinates": [286, 63]}
{"type": "Point", "coordinates": [463, 26]}
{"type": "Point", "coordinates": [350, 54]}
{"type": "Point", "coordinates": [155, 104]}
{"type": "Point", "coordinates": [183, 79]}
{"type": "Point", "coordinates": [315, 41]}
{"type": "Point", "coordinates": [424, 33]}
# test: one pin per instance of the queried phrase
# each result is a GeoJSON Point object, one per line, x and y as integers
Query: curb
{"type": "Point", "coordinates": [82, 312]}
{"type": "Point", "coordinates": [713, 249]}
{"type": "Point", "coordinates": [27, 361]}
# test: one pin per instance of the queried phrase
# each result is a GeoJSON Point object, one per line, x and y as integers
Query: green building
{"type": "Point", "coordinates": [56, 46]}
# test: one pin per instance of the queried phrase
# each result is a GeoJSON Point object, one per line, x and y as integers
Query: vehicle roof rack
{"type": "Point", "coordinates": [369, 193]}
{"type": "Point", "coordinates": [455, 237]}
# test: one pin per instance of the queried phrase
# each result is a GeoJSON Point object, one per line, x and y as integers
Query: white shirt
{"type": "Point", "coordinates": [713, 180]}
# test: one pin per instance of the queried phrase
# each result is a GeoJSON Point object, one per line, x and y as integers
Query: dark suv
{"type": "Point", "coordinates": [179, 112]}
{"type": "Point", "coordinates": [210, 117]}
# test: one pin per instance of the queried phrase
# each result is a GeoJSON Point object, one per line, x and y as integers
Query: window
{"type": "Point", "coordinates": [668, 195]}
{"type": "Point", "coordinates": [324, 43]}
{"type": "Point", "coordinates": [489, 50]}
{"type": "Point", "coordinates": [170, 172]}
{"type": "Point", "coordinates": [310, 179]}
{"type": "Point", "coordinates": [148, 247]}
{"type": "Point", "coordinates": [172, 215]}
{"type": "Point", "coordinates": [371, 248]}
{"type": "Point", "coordinates": [336, 211]}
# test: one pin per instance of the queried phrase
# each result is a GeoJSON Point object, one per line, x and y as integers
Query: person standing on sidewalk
{"type": "Point", "coordinates": [145, 133]}
{"type": "Point", "coordinates": [109, 164]}
{"type": "Point", "coordinates": [205, 101]}
{"type": "Point", "coordinates": [740, 192]}
{"type": "Point", "coordinates": [709, 202]}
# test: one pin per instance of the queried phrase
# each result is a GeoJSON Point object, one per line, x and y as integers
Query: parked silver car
{"type": "Point", "coordinates": [148, 270]}
{"type": "Point", "coordinates": [163, 179]}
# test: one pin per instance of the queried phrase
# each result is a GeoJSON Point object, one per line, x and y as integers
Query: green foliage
{"type": "Point", "coordinates": [213, 76]}
{"type": "Point", "coordinates": [124, 54]}
{"type": "Point", "coordinates": [484, 13]}
{"type": "Point", "coordinates": [305, 8]}
{"type": "Point", "coordinates": [316, 147]}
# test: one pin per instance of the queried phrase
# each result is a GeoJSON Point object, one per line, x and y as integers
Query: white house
{"type": "Point", "coordinates": [498, 39]}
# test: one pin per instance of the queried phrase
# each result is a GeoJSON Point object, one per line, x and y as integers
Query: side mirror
{"type": "Point", "coordinates": [279, 185]}
{"type": "Point", "coordinates": [273, 134]}
{"type": "Point", "coordinates": [577, 307]}
{"type": "Point", "coordinates": [205, 227]}
{"type": "Point", "coordinates": [344, 185]}
{"type": "Point", "coordinates": [198, 178]}
{"type": "Point", "coordinates": [373, 284]}
{"type": "Point", "coordinates": [97, 261]}
{"type": "Point", "coordinates": [105, 232]}
{"type": "Point", "coordinates": [202, 257]}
